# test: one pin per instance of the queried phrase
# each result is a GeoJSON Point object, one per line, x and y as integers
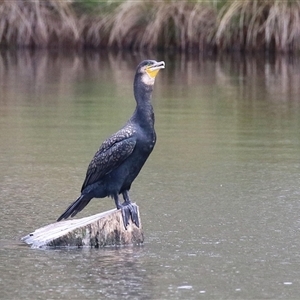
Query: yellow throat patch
{"type": "Point", "coordinates": [152, 73]}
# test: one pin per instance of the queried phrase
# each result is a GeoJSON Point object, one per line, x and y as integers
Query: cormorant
{"type": "Point", "coordinates": [121, 157]}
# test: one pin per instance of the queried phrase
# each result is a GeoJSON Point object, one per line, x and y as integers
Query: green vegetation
{"type": "Point", "coordinates": [183, 25]}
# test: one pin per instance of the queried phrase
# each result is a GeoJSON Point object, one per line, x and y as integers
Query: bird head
{"type": "Point", "coordinates": [148, 69]}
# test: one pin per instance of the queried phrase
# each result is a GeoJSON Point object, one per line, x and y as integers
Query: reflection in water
{"type": "Point", "coordinates": [219, 196]}
{"type": "Point", "coordinates": [109, 273]}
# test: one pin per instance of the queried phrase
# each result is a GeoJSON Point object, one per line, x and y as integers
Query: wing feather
{"type": "Point", "coordinates": [112, 153]}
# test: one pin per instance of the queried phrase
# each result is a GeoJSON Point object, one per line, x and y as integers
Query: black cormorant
{"type": "Point", "coordinates": [121, 157]}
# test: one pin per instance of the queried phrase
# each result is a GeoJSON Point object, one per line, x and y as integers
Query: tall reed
{"type": "Point", "coordinates": [183, 25]}
{"type": "Point", "coordinates": [259, 25]}
{"type": "Point", "coordinates": [40, 23]}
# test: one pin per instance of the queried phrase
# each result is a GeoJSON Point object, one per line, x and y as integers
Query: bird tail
{"type": "Point", "coordinates": [78, 205]}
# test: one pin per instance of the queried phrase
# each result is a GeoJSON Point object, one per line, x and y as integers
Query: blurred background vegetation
{"type": "Point", "coordinates": [183, 25]}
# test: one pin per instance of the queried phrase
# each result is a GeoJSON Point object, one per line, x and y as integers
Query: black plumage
{"type": "Point", "coordinates": [121, 157]}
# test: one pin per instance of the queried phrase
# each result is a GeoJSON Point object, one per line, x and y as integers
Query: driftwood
{"type": "Point", "coordinates": [100, 230]}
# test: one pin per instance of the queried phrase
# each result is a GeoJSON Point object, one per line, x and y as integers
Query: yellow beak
{"type": "Point", "coordinates": [153, 70]}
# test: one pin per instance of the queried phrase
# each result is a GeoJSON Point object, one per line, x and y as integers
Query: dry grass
{"type": "Point", "coordinates": [182, 25]}
{"type": "Point", "coordinates": [95, 26]}
{"type": "Point", "coordinates": [94, 30]}
{"type": "Point", "coordinates": [259, 25]}
{"type": "Point", "coordinates": [37, 23]}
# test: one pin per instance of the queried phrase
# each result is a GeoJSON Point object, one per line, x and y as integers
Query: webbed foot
{"type": "Point", "coordinates": [129, 211]}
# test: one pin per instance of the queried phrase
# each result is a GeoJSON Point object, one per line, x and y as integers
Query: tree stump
{"type": "Point", "coordinates": [100, 230]}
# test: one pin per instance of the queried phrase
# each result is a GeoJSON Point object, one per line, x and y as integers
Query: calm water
{"type": "Point", "coordinates": [219, 196]}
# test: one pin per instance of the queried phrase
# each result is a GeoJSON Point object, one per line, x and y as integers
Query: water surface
{"type": "Point", "coordinates": [219, 196]}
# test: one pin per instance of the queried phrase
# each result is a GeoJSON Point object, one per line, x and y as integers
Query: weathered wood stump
{"type": "Point", "coordinates": [100, 230]}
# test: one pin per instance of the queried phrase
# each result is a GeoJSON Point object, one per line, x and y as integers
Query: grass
{"type": "Point", "coordinates": [41, 23]}
{"type": "Point", "coordinates": [259, 25]}
{"type": "Point", "coordinates": [183, 25]}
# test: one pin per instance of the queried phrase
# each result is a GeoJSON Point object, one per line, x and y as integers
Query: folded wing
{"type": "Point", "coordinates": [111, 154]}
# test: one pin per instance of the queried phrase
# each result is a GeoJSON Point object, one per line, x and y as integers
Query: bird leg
{"type": "Point", "coordinates": [126, 198]}
{"type": "Point", "coordinates": [124, 210]}
{"type": "Point", "coordinates": [132, 208]}
{"type": "Point", "coordinates": [117, 202]}
{"type": "Point", "coordinates": [129, 210]}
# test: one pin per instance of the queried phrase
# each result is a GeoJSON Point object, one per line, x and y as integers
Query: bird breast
{"type": "Point", "coordinates": [147, 142]}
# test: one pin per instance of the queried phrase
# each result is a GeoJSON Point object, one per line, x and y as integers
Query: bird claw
{"type": "Point", "coordinates": [129, 211]}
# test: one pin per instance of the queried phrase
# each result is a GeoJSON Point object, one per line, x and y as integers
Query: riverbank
{"type": "Point", "coordinates": [250, 25]}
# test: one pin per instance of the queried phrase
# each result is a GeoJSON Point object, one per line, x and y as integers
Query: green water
{"type": "Point", "coordinates": [219, 195]}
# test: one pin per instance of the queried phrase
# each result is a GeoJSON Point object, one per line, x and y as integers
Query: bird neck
{"type": "Point", "coordinates": [144, 109]}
